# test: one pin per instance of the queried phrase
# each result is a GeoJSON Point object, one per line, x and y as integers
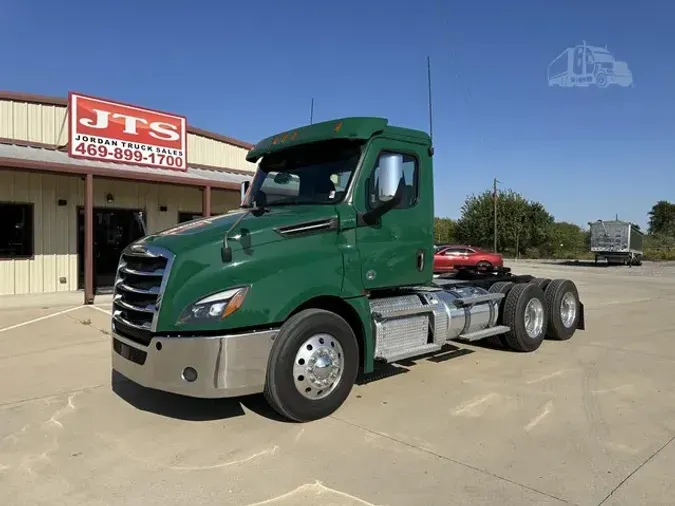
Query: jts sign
{"type": "Point", "coordinates": [111, 131]}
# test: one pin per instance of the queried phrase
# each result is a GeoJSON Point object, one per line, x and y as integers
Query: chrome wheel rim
{"type": "Point", "coordinates": [568, 309]}
{"type": "Point", "coordinates": [318, 366]}
{"type": "Point", "coordinates": [534, 318]}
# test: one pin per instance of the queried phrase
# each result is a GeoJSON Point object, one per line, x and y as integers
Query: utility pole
{"type": "Point", "coordinates": [311, 113]}
{"type": "Point", "coordinates": [494, 200]}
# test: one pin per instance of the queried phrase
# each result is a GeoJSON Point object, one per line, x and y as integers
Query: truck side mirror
{"type": "Point", "coordinates": [242, 190]}
{"type": "Point", "coordinates": [391, 172]}
{"type": "Point", "coordinates": [390, 187]}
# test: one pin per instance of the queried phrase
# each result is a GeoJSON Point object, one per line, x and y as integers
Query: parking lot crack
{"type": "Point", "coordinates": [454, 461]}
{"type": "Point", "coordinates": [663, 447]}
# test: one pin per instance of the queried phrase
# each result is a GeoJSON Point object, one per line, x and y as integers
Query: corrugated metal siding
{"type": "Point", "coordinates": [47, 124]}
{"type": "Point", "coordinates": [205, 151]}
{"type": "Point", "coordinates": [55, 226]}
{"type": "Point", "coordinates": [33, 122]}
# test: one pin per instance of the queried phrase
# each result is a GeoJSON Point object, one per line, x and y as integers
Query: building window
{"type": "Point", "coordinates": [16, 231]}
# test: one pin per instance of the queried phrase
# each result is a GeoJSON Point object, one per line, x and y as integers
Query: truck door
{"type": "Point", "coordinates": [397, 251]}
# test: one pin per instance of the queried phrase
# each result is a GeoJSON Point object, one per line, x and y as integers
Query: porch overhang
{"type": "Point", "coordinates": [55, 161]}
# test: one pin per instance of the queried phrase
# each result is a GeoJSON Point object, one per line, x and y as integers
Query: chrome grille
{"type": "Point", "coordinates": [141, 276]}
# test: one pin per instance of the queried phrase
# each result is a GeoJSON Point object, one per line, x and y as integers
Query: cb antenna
{"type": "Point", "coordinates": [431, 123]}
{"type": "Point", "coordinates": [311, 113]}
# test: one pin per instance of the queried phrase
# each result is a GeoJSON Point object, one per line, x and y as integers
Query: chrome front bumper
{"type": "Point", "coordinates": [226, 366]}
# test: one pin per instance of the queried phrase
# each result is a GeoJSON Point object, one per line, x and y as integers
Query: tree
{"type": "Point", "coordinates": [475, 223]}
{"type": "Point", "coordinates": [444, 230]}
{"type": "Point", "coordinates": [516, 211]}
{"type": "Point", "coordinates": [662, 219]}
{"type": "Point", "coordinates": [521, 224]}
{"type": "Point", "coordinates": [568, 240]}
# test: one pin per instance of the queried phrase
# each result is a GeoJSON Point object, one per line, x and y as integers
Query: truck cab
{"type": "Point", "coordinates": [326, 268]}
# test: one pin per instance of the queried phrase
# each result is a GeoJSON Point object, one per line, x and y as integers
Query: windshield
{"type": "Point", "coordinates": [315, 174]}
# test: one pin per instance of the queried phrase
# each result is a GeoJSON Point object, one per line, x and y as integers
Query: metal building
{"type": "Point", "coordinates": [64, 220]}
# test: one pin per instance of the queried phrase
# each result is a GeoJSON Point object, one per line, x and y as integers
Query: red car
{"type": "Point", "coordinates": [455, 257]}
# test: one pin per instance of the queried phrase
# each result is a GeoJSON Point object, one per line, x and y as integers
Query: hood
{"type": "Point", "coordinates": [251, 231]}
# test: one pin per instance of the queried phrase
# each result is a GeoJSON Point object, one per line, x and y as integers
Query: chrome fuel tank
{"type": "Point", "coordinates": [464, 317]}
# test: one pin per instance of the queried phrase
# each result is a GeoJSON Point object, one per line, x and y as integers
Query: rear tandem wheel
{"type": "Point", "coordinates": [500, 287]}
{"type": "Point", "coordinates": [525, 314]}
{"type": "Point", "coordinates": [540, 282]}
{"type": "Point", "coordinates": [562, 306]}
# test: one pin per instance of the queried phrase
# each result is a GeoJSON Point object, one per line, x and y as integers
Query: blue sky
{"type": "Point", "coordinates": [250, 69]}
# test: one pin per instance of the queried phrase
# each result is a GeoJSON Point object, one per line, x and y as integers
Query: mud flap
{"type": "Point", "coordinates": [581, 323]}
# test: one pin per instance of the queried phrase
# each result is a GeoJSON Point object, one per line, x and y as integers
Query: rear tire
{"type": "Point", "coordinates": [541, 282]}
{"type": "Point", "coordinates": [483, 265]}
{"type": "Point", "coordinates": [312, 366]}
{"type": "Point", "coordinates": [525, 313]}
{"type": "Point", "coordinates": [562, 306]}
{"type": "Point", "coordinates": [500, 287]}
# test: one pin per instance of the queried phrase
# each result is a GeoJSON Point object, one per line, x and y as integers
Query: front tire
{"type": "Point", "coordinates": [312, 366]}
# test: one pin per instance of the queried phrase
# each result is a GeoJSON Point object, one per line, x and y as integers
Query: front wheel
{"type": "Point", "coordinates": [312, 366]}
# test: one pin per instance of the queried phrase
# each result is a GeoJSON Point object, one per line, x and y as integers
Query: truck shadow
{"type": "Point", "coordinates": [382, 371]}
{"type": "Point", "coordinates": [188, 408]}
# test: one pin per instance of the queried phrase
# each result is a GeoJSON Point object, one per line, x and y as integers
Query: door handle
{"type": "Point", "coordinates": [420, 260]}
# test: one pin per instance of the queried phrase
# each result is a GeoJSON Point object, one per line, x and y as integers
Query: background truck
{"type": "Point", "coordinates": [618, 242]}
{"type": "Point", "coordinates": [325, 270]}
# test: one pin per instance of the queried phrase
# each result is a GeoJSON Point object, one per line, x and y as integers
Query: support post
{"type": "Point", "coordinates": [206, 201]}
{"type": "Point", "coordinates": [89, 239]}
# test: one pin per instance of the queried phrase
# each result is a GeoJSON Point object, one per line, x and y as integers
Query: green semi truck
{"type": "Point", "coordinates": [324, 271]}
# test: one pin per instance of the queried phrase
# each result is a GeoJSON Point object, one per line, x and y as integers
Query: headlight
{"type": "Point", "coordinates": [214, 307]}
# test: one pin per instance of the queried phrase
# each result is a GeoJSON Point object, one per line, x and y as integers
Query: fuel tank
{"type": "Point", "coordinates": [462, 316]}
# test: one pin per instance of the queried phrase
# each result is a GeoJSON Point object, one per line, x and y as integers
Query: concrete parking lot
{"type": "Point", "coordinates": [590, 421]}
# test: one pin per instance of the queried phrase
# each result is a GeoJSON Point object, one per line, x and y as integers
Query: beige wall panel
{"type": "Point", "coordinates": [33, 122]}
{"type": "Point", "coordinates": [50, 230]}
{"type": "Point", "coordinates": [223, 201]}
{"type": "Point", "coordinates": [36, 274]}
{"type": "Point", "coordinates": [205, 151]}
{"type": "Point", "coordinates": [6, 122]}
{"type": "Point", "coordinates": [20, 121]}
{"type": "Point", "coordinates": [7, 188]}
{"type": "Point", "coordinates": [53, 267]}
